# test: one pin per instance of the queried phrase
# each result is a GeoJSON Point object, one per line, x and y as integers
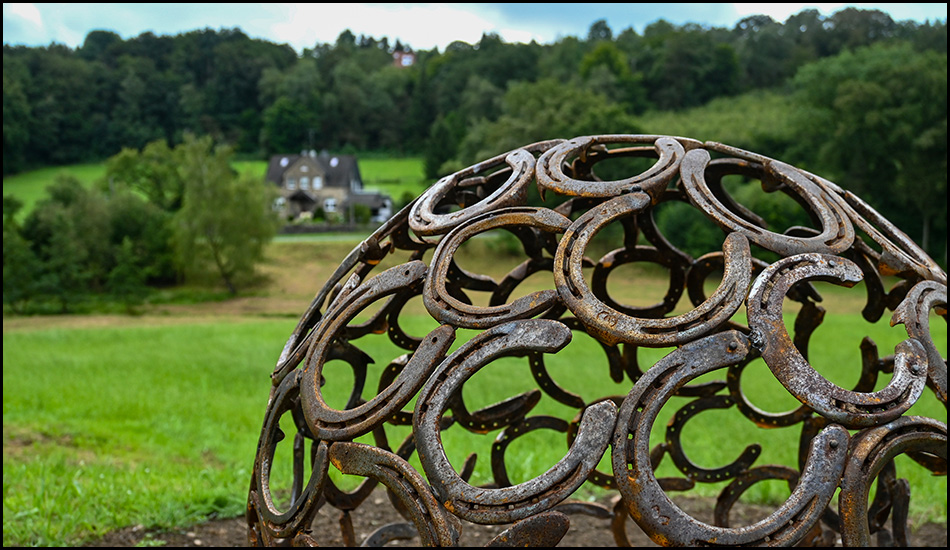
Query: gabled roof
{"type": "Point", "coordinates": [278, 165]}
{"type": "Point", "coordinates": [339, 170]}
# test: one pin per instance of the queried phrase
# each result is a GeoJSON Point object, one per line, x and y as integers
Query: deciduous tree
{"type": "Point", "coordinates": [225, 220]}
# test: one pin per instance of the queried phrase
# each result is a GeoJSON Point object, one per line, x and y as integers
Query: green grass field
{"type": "Point", "coordinates": [395, 177]}
{"type": "Point", "coordinates": [154, 420]}
{"type": "Point", "coordinates": [156, 424]}
{"type": "Point", "coordinates": [30, 187]}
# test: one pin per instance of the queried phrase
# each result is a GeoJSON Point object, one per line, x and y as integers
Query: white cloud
{"type": "Point", "coordinates": [423, 26]}
{"type": "Point", "coordinates": [29, 12]}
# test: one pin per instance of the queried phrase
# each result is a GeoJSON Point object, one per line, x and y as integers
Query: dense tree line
{"type": "Point", "coordinates": [868, 95]}
{"type": "Point", "coordinates": [63, 105]}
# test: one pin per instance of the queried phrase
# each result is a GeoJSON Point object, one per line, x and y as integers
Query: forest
{"type": "Point", "coordinates": [863, 100]}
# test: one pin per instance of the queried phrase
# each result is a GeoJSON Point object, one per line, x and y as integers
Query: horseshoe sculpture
{"type": "Point", "coordinates": [694, 354]}
{"type": "Point", "coordinates": [510, 503]}
{"type": "Point", "coordinates": [848, 408]}
{"type": "Point", "coordinates": [631, 460]}
{"type": "Point", "coordinates": [612, 326]}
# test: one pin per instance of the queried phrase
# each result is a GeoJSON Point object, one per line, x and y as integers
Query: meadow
{"type": "Point", "coordinates": [394, 176]}
{"type": "Point", "coordinates": [153, 420]}
{"type": "Point", "coordinates": [391, 175]}
{"type": "Point", "coordinates": [112, 421]}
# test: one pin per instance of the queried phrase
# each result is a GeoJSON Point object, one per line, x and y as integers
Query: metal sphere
{"type": "Point", "coordinates": [848, 435]}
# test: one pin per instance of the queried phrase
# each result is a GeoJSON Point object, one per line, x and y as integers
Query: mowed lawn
{"type": "Point", "coordinates": [30, 187]}
{"type": "Point", "coordinates": [394, 176]}
{"type": "Point", "coordinates": [154, 420]}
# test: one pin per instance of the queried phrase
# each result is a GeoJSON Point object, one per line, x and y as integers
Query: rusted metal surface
{"type": "Point", "coordinates": [764, 312]}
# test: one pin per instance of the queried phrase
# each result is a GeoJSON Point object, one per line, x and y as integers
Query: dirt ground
{"type": "Point", "coordinates": [585, 530]}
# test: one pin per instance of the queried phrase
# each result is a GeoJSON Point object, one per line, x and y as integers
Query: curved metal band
{"type": "Point", "coordinates": [304, 507]}
{"type": "Point", "coordinates": [513, 192]}
{"type": "Point", "coordinates": [448, 309]}
{"type": "Point", "coordinates": [507, 504]}
{"type": "Point", "coordinates": [334, 425]}
{"type": "Point", "coordinates": [871, 451]}
{"type": "Point", "coordinates": [914, 313]}
{"type": "Point", "coordinates": [611, 326]}
{"type": "Point", "coordinates": [670, 151]}
{"type": "Point", "coordinates": [849, 408]}
{"type": "Point", "coordinates": [653, 510]}
{"type": "Point", "coordinates": [430, 519]}
{"type": "Point", "coordinates": [837, 233]}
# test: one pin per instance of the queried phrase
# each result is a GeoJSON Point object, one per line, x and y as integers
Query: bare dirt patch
{"type": "Point", "coordinates": [585, 531]}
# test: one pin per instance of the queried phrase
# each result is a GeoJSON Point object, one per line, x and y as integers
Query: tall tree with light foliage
{"type": "Point", "coordinates": [225, 220]}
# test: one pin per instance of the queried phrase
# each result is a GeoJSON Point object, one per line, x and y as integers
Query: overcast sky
{"type": "Point", "coordinates": [421, 26]}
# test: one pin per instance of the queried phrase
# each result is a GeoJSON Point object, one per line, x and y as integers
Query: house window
{"type": "Point", "coordinates": [305, 183]}
{"type": "Point", "coordinates": [329, 205]}
{"type": "Point", "coordinates": [291, 184]}
{"type": "Point", "coordinates": [317, 182]}
{"type": "Point", "coordinates": [304, 168]}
